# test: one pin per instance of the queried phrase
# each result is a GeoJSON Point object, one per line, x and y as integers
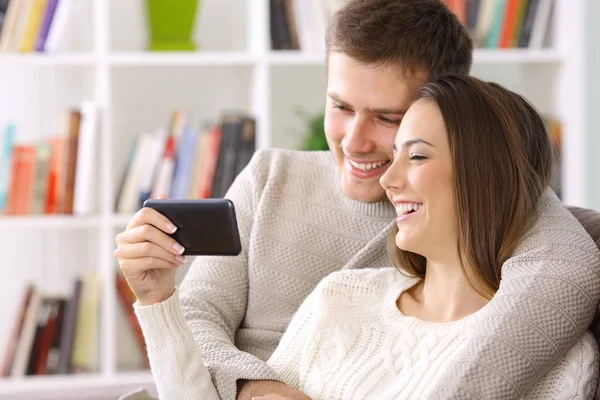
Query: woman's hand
{"type": "Point", "coordinates": [148, 256]}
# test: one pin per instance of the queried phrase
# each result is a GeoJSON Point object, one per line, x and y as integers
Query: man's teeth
{"type": "Point", "coordinates": [368, 166]}
{"type": "Point", "coordinates": [405, 208]}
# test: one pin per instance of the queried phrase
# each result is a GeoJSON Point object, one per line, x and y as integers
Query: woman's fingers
{"type": "Point", "coordinates": [149, 233]}
{"type": "Point", "coordinates": [147, 249]}
{"type": "Point", "coordinates": [149, 216]}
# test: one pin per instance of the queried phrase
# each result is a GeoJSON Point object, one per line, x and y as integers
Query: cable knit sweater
{"type": "Point", "coordinates": [297, 227]}
{"type": "Point", "coordinates": [349, 340]}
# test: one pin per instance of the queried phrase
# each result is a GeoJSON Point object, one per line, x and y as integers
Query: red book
{"type": "Point", "coordinates": [509, 23]}
{"type": "Point", "coordinates": [127, 298]}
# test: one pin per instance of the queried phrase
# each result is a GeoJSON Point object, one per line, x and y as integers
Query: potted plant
{"type": "Point", "coordinates": [171, 24]}
{"type": "Point", "coordinates": [314, 139]}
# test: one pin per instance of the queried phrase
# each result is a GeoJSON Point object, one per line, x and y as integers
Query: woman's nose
{"type": "Point", "coordinates": [393, 178]}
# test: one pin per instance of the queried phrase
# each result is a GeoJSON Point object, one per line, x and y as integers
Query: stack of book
{"type": "Point", "coordinates": [300, 24]}
{"type": "Point", "coordinates": [54, 334]}
{"type": "Point", "coordinates": [32, 25]}
{"type": "Point", "coordinates": [186, 162]}
{"type": "Point", "coordinates": [55, 175]}
{"type": "Point", "coordinates": [505, 23]}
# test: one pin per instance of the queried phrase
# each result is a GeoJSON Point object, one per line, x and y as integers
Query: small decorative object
{"type": "Point", "coordinates": [314, 139]}
{"type": "Point", "coordinates": [171, 24]}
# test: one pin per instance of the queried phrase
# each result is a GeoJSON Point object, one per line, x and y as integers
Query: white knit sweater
{"type": "Point", "coordinates": [349, 341]}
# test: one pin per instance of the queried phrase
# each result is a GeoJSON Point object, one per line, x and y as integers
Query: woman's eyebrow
{"type": "Point", "coordinates": [410, 142]}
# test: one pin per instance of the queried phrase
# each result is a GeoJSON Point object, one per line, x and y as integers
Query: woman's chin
{"type": "Point", "coordinates": [405, 243]}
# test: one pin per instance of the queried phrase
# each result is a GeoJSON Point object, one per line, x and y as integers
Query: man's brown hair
{"type": "Point", "coordinates": [501, 160]}
{"type": "Point", "coordinates": [413, 34]}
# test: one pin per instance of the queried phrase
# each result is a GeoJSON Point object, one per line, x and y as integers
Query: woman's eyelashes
{"type": "Point", "coordinates": [411, 156]}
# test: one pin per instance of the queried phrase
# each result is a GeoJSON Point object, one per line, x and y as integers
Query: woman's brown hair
{"type": "Point", "coordinates": [501, 158]}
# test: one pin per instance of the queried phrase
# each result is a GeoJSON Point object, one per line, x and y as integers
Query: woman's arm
{"type": "Point", "coordinates": [175, 359]}
{"type": "Point", "coordinates": [548, 293]}
{"type": "Point", "coordinates": [286, 358]}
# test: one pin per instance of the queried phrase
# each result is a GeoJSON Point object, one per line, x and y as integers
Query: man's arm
{"type": "Point", "coordinates": [548, 293]}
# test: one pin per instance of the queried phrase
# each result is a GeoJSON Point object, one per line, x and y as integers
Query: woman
{"type": "Point", "coordinates": [471, 162]}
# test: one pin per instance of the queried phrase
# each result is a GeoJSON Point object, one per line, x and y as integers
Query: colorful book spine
{"type": "Point", "coordinates": [45, 26]}
{"type": "Point", "coordinates": [6, 150]}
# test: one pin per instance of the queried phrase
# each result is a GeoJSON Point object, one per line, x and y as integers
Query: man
{"type": "Point", "coordinates": [304, 215]}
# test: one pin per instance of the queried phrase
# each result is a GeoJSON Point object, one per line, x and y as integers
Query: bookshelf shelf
{"type": "Point", "coordinates": [82, 59]}
{"type": "Point", "coordinates": [181, 59]}
{"type": "Point", "coordinates": [481, 56]}
{"type": "Point", "coordinates": [295, 58]}
{"type": "Point", "coordinates": [517, 56]}
{"type": "Point", "coordinates": [31, 384]}
{"type": "Point", "coordinates": [48, 222]}
{"type": "Point", "coordinates": [120, 220]}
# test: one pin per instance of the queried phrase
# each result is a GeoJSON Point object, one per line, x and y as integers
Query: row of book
{"type": "Point", "coordinates": [60, 333]}
{"type": "Point", "coordinates": [185, 161]}
{"type": "Point", "coordinates": [300, 24]}
{"type": "Point", "coordinates": [33, 25]}
{"type": "Point", "coordinates": [55, 175]}
{"type": "Point", "coordinates": [505, 23]}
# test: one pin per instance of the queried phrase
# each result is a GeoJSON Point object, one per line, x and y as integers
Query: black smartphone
{"type": "Point", "coordinates": [204, 226]}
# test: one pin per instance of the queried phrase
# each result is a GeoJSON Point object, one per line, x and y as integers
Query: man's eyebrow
{"type": "Point", "coordinates": [410, 142]}
{"type": "Point", "coordinates": [335, 97]}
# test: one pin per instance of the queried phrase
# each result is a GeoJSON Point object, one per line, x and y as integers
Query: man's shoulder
{"type": "Point", "coordinates": [306, 168]}
{"type": "Point", "coordinates": [275, 157]}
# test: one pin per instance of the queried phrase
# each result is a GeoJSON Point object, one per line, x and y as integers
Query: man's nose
{"type": "Point", "coordinates": [358, 137]}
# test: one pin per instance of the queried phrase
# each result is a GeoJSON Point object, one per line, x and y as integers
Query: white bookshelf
{"type": "Point", "coordinates": [104, 61]}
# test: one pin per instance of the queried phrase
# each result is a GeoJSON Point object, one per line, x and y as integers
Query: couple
{"type": "Point", "coordinates": [462, 181]}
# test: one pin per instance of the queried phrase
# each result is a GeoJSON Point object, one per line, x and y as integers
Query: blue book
{"type": "Point", "coordinates": [184, 164]}
{"type": "Point", "coordinates": [493, 40]}
{"type": "Point", "coordinates": [6, 147]}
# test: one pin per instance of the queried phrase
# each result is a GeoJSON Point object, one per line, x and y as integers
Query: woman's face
{"type": "Point", "coordinates": [420, 183]}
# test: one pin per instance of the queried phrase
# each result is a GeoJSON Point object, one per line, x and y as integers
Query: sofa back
{"type": "Point", "coordinates": [591, 222]}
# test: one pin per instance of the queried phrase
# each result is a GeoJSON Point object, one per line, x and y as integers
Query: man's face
{"type": "Point", "coordinates": [365, 104]}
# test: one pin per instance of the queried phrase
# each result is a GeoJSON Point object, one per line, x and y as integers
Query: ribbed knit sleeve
{"type": "Point", "coordinates": [175, 361]}
{"type": "Point", "coordinates": [286, 359]}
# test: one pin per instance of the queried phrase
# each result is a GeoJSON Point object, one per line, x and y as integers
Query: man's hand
{"type": "Point", "coordinates": [271, 397]}
{"type": "Point", "coordinates": [268, 390]}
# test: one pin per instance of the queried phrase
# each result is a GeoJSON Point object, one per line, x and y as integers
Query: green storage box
{"type": "Point", "coordinates": [171, 24]}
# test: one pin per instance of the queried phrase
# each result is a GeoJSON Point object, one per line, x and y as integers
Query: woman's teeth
{"type": "Point", "coordinates": [406, 208]}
